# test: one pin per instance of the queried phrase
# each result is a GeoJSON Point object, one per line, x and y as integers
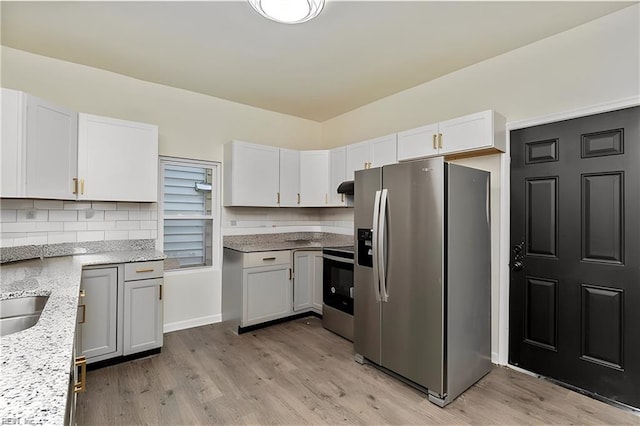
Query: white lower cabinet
{"type": "Point", "coordinates": [99, 313]}
{"type": "Point", "coordinates": [259, 287]}
{"type": "Point", "coordinates": [267, 293]}
{"type": "Point", "coordinates": [142, 315]}
{"type": "Point", "coordinates": [307, 281]}
{"type": "Point", "coordinates": [120, 313]}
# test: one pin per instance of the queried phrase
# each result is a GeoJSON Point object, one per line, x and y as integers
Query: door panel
{"type": "Point", "coordinates": [575, 233]}
{"type": "Point", "coordinates": [366, 310]}
{"type": "Point", "coordinates": [412, 318]}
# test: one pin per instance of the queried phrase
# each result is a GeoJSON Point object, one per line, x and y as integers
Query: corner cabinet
{"type": "Point", "coordinates": [475, 134]}
{"type": "Point", "coordinates": [372, 153]}
{"type": "Point", "coordinates": [251, 174]}
{"type": "Point", "coordinates": [117, 160]}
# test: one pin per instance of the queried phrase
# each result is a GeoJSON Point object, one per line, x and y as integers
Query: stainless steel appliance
{"type": "Point", "coordinates": [337, 290]}
{"type": "Point", "coordinates": [422, 275]}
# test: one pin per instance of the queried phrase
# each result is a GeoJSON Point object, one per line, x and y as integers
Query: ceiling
{"type": "Point", "coordinates": [354, 53]}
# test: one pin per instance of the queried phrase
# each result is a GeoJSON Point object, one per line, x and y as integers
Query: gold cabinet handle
{"type": "Point", "coordinates": [82, 293]}
{"type": "Point", "coordinates": [140, 271]}
{"type": "Point", "coordinates": [81, 386]}
{"type": "Point", "coordinates": [84, 313]}
{"type": "Point", "coordinates": [160, 292]}
{"type": "Point", "coordinates": [81, 186]}
{"type": "Point", "coordinates": [440, 140]}
{"type": "Point", "coordinates": [278, 197]}
{"type": "Point", "coordinates": [298, 198]}
{"type": "Point", "coordinates": [75, 185]}
{"type": "Point", "coordinates": [435, 144]}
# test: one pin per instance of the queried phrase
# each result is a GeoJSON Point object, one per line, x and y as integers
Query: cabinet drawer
{"type": "Point", "coordinates": [143, 270]}
{"type": "Point", "coordinates": [266, 258]}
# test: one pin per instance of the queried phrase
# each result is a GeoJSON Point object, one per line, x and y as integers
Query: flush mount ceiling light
{"type": "Point", "coordinates": [288, 11]}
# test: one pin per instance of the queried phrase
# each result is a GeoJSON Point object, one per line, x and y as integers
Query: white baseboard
{"type": "Point", "coordinates": [495, 358]}
{"type": "Point", "coordinates": [190, 323]}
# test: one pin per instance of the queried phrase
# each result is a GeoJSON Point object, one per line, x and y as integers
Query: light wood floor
{"type": "Point", "coordinates": [299, 373]}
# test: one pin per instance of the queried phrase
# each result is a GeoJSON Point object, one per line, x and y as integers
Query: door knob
{"type": "Point", "coordinates": [517, 266]}
{"type": "Point", "coordinates": [518, 256]}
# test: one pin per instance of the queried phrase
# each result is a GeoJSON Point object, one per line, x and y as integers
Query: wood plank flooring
{"type": "Point", "coordinates": [299, 373]}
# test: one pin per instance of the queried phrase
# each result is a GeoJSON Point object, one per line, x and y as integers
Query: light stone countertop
{"type": "Point", "coordinates": [36, 362]}
{"type": "Point", "coordinates": [286, 241]}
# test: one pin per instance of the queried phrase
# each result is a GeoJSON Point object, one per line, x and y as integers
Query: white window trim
{"type": "Point", "coordinates": [216, 211]}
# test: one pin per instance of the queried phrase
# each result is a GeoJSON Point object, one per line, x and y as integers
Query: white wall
{"type": "Point", "coordinates": [588, 65]}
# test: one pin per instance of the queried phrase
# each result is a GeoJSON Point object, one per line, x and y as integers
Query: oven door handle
{"type": "Point", "coordinates": [374, 246]}
{"type": "Point", "coordinates": [337, 259]}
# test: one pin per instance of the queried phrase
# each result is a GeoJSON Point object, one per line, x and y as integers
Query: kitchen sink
{"type": "Point", "coordinates": [20, 313]}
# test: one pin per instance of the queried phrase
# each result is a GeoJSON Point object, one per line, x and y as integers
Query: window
{"type": "Point", "coordinates": [189, 207]}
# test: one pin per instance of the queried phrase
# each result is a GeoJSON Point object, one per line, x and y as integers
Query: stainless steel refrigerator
{"type": "Point", "coordinates": [422, 290]}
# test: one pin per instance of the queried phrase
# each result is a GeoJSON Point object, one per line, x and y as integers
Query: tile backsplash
{"type": "Point", "coordinates": [35, 222]}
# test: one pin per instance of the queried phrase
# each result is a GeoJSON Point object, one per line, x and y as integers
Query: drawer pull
{"type": "Point", "coordinates": [81, 386]}
{"type": "Point", "coordinates": [140, 271]}
{"type": "Point", "coordinates": [84, 313]}
{"type": "Point", "coordinates": [160, 291]}
{"type": "Point", "coordinates": [269, 258]}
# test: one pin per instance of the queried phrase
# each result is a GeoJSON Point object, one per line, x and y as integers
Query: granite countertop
{"type": "Point", "coordinates": [36, 362]}
{"type": "Point", "coordinates": [286, 241]}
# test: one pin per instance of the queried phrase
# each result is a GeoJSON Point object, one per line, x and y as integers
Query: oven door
{"type": "Point", "coordinates": [337, 283]}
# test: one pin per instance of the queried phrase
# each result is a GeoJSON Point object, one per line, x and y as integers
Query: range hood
{"type": "Point", "coordinates": [346, 188]}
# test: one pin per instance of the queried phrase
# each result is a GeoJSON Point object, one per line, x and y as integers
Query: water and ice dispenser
{"type": "Point", "coordinates": [365, 247]}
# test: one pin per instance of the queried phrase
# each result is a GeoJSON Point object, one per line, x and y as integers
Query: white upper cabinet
{"type": "Point", "coordinates": [314, 178]}
{"type": "Point", "coordinates": [484, 130]}
{"type": "Point", "coordinates": [419, 142]}
{"type": "Point", "coordinates": [289, 178]}
{"type": "Point", "coordinates": [51, 153]}
{"type": "Point", "coordinates": [372, 153]}
{"type": "Point", "coordinates": [251, 174]}
{"type": "Point", "coordinates": [383, 151]}
{"type": "Point", "coordinates": [117, 160]}
{"type": "Point", "coordinates": [337, 174]}
{"type": "Point", "coordinates": [480, 133]}
{"type": "Point", "coordinates": [11, 151]}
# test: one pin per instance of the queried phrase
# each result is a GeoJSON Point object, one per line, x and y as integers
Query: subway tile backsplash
{"type": "Point", "coordinates": [35, 222]}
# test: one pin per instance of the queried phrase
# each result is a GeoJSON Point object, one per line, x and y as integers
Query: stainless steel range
{"type": "Point", "coordinates": [337, 290]}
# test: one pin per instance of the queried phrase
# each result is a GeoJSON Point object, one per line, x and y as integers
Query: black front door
{"type": "Point", "coordinates": [574, 304]}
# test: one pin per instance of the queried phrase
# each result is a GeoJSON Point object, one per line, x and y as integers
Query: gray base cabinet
{"type": "Point", "coordinates": [98, 330]}
{"type": "Point", "coordinates": [256, 287]}
{"type": "Point", "coordinates": [307, 281]}
{"type": "Point", "coordinates": [259, 287]}
{"type": "Point", "coordinates": [121, 310]}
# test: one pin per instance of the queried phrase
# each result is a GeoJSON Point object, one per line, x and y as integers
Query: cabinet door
{"type": "Point", "coordinates": [337, 175]}
{"type": "Point", "coordinates": [303, 265]}
{"type": "Point", "coordinates": [358, 158]}
{"type": "Point", "coordinates": [99, 329]}
{"type": "Point", "coordinates": [266, 294]}
{"type": "Point", "coordinates": [467, 133]}
{"type": "Point", "coordinates": [11, 150]}
{"type": "Point", "coordinates": [316, 284]}
{"type": "Point", "coordinates": [289, 177]}
{"type": "Point", "coordinates": [419, 142]}
{"type": "Point", "coordinates": [117, 159]}
{"type": "Point", "coordinates": [314, 178]}
{"type": "Point", "coordinates": [142, 315]}
{"type": "Point", "coordinates": [383, 151]}
{"type": "Point", "coordinates": [51, 150]}
{"type": "Point", "coordinates": [251, 174]}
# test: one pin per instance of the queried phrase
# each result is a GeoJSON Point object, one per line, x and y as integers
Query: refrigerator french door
{"type": "Point", "coordinates": [422, 275]}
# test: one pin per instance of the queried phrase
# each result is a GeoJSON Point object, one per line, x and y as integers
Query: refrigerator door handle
{"type": "Point", "coordinates": [382, 255]}
{"type": "Point", "coordinates": [374, 246]}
